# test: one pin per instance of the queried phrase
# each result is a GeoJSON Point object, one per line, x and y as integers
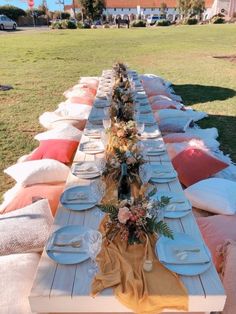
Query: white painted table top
{"type": "Point", "coordinates": [66, 288]}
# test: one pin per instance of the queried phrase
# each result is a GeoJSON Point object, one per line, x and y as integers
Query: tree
{"type": "Point", "coordinates": [191, 7]}
{"type": "Point", "coordinates": [197, 7]}
{"type": "Point", "coordinates": [12, 12]}
{"type": "Point", "coordinates": [92, 9]}
{"type": "Point", "coordinates": [163, 8]}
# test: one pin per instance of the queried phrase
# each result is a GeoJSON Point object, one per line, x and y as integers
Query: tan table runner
{"type": "Point", "coordinates": [121, 267]}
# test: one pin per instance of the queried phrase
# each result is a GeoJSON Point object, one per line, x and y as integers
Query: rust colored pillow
{"type": "Point", "coordinates": [61, 150]}
{"type": "Point", "coordinates": [193, 165]}
{"type": "Point", "coordinates": [28, 195]}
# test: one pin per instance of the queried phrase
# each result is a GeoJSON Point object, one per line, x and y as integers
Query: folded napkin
{"type": "Point", "coordinates": [151, 134]}
{"type": "Point", "coordinates": [173, 207]}
{"type": "Point", "coordinates": [93, 132]}
{"type": "Point", "coordinates": [121, 268]}
{"type": "Point", "coordinates": [182, 254]}
{"type": "Point", "coordinates": [85, 169]}
{"type": "Point", "coordinates": [66, 243]}
{"type": "Point", "coordinates": [78, 197]}
{"type": "Point", "coordinates": [91, 146]}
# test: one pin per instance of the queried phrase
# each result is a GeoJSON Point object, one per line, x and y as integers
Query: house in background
{"type": "Point", "coordinates": [145, 8]}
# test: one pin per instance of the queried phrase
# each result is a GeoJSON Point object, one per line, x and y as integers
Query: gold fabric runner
{"type": "Point", "coordinates": [121, 267]}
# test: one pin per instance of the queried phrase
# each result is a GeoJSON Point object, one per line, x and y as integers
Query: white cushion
{"type": "Point", "coordinates": [80, 111]}
{"type": "Point", "coordinates": [214, 195]}
{"type": "Point", "coordinates": [51, 120]}
{"type": "Point", "coordinates": [63, 132]}
{"type": "Point", "coordinates": [17, 273]}
{"type": "Point", "coordinates": [172, 113]}
{"type": "Point", "coordinates": [203, 133]}
{"type": "Point", "coordinates": [25, 229]}
{"type": "Point", "coordinates": [38, 171]}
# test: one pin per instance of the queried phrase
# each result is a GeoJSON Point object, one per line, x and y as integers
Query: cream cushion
{"type": "Point", "coordinates": [25, 229]}
{"type": "Point", "coordinates": [213, 195]}
{"type": "Point", "coordinates": [17, 273]}
{"type": "Point", "coordinates": [80, 111]}
{"type": "Point", "coordinates": [63, 132]}
{"type": "Point", "coordinates": [38, 171]}
{"type": "Point", "coordinates": [173, 113]}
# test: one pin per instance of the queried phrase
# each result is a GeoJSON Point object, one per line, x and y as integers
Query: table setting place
{"type": "Point", "coordinates": [134, 251]}
{"type": "Point", "coordinates": [92, 147]}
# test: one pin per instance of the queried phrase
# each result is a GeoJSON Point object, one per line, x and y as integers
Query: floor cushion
{"type": "Point", "coordinates": [51, 120]}
{"type": "Point", "coordinates": [17, 274]}
{"type": "Point", "coordinates": [64, 132]}
{"type": "Point", "coordinates": [193, 165]}
{"type": "Point", "coordinates": [26, 229]}
{"type": "Point", "coordinates": [214, 195]}
{"type": "Point", "coordinates": [203, 133]}
{"type": "Point", "coordinates": [80, 111]}
{"type": "Point", "coordinates": [90, 80]}
{"type": "Point", "coordinates": [163, 114]}
{"type": "Point", "coordinates": [216, 230]}
{"type": "Point", "coordinates": [229, 275]}
{"type": "Point", "coordinates": [61, 150]}
{"type": "Point", "coordinates": [26, 195]}
{"type": "Point", "coordinates": [38, 171]}
{"type": "Point", "coordinates": [80, 100]}
{"type": "Point", "coordinates": [173, 125]}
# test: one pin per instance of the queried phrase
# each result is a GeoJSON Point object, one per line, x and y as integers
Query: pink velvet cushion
{"type": "Point", "coordinates": [61, 150]}
{"type": "Point", "coordinates": [193, 165]}
{"type": "Point", "coordinates": [215, 231]}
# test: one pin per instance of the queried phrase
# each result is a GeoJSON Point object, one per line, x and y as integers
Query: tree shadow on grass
{"type": "Point", "coordinates": [226, 126]}
{"type": "Point", "coordinates": [195, 94]}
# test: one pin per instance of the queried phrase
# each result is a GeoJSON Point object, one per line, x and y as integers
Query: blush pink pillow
{"type": "Point", "coordinates": [215, 231]}
{"type": "Point", "coordinates": [229, 275]}
{"type": "Point", "coordinates": [61, 150]}
{"type": "Point", "coordinates": [158, 106]}
{"type": "Point", "coordinates": [178, 137]}
{"type": "Point", "coordinates": [81, 100]}
{"type": "Point", "coordinates": [26, 195]}
{"type": "Point", "coordinates": [193, 165]}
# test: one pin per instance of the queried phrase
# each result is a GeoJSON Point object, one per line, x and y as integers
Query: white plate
{"type": "Point", "coordinates": [178, 213]}
{"type": "Point", "coordinates": [184, 269]}
{"type": "Point", "coordinates": [80, 205]}
{"type": "Point", "coordinates": [68, 258]}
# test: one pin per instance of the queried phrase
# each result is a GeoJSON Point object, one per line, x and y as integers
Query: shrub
{"type": "Point", "coordinates": [83, 25]}
{"type": "Point", "coordinates": [71, 25]}
{"type": "Point", "coordinates": [138, 23]}
{"type": "Point", "coordinates": [56, 25]}
{"type": "Point", "coordinates": [12, 12]}
{"type": "Point", "coordinates": [217, 20]}
{"type": "Point", "coordinates": [191, 21]}
{"type": "Point", "coordinates": [64, 24]}
{"type": "Point", "coordinates": [106, 26]}
{"type": "Point", "coordinates": [163, 23]}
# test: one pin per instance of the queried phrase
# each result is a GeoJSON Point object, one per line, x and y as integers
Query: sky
{"type": "Point", "coordinates": [23, 4]}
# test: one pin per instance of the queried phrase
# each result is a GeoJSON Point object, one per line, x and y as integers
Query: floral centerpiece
{"type": "Point", "coordinates": [133, 220]}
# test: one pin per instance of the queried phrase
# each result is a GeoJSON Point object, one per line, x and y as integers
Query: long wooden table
{"type": "Point", "coordinates": [66, 288]}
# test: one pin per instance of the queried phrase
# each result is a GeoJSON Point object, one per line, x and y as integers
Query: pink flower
{"type": "Point", "coordinates": [123, 215]}
{"type": "Point", "coordinates": [120, 133]}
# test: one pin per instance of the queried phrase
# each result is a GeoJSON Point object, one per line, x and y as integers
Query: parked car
{"type": "Point", "coordinates": [6, 23]}
{"type": "Point", "coordinates": [151, 20]}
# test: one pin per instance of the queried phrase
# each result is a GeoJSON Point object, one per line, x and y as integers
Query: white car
{"type": "Point", "coordinates": [6, 23]}
{"type": "Point", "coordinates": [151, 20]}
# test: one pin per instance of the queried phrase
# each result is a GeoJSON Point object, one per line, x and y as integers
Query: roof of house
{"type": "Point", "coordinates": [142, 3]}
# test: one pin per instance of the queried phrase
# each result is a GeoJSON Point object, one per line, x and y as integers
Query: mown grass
{"type": "Point", "coordinates": [41, 65]}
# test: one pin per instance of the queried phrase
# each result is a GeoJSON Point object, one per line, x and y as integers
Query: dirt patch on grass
{"type": "Point", "coordinates": [231, 58]}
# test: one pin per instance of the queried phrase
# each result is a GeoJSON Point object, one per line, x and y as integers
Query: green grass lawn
{"type": "Point", "coordinates": [42, 65]}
